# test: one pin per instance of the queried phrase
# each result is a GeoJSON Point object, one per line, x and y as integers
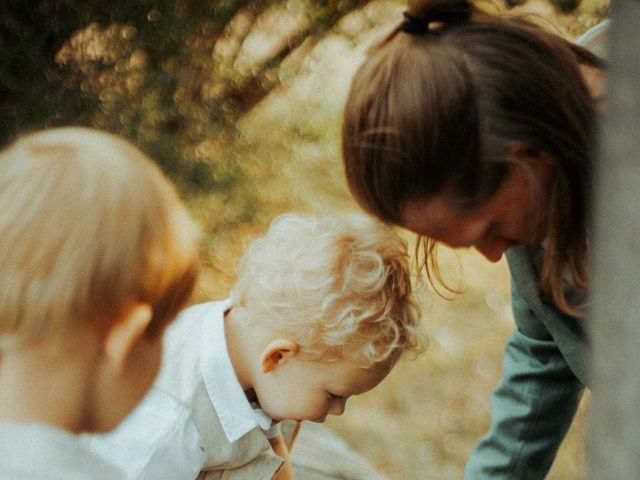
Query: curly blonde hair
{"type": "Point", "coordinates": [340, 284]}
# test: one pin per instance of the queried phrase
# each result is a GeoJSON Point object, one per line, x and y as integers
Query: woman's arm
{"type": "Point", "coordinates": [532, 407]}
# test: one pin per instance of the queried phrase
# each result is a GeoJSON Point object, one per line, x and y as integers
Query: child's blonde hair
{"type": "Point", "coordinates": [339, 284]}
{"type": "Point", "coordinates": [89, 226]}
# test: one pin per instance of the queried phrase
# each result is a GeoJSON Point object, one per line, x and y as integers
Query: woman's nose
{"type": "Point", "coordinates": [492, 250]}
{"type": "Point", "coordinates": [337, 406]}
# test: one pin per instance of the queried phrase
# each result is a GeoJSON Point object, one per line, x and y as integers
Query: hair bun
{"type": "Point", "coordinates": [446, 12]}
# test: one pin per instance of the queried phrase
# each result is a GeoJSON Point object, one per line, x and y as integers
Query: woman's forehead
{"type": "Point", "coordinates": [431, 217]}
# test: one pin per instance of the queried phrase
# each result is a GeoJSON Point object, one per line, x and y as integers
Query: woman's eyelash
{"type": "Point", "coordinates": [490, 230]}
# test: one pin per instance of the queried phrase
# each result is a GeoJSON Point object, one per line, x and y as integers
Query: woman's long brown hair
{"type": "Point", "coordinates": [440, 110]}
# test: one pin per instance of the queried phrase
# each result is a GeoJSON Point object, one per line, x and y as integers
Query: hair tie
{"type": "Point", "coordinates": [414, 24]}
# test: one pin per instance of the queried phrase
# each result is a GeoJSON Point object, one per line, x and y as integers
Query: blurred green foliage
{"type": "Point", "coordinates": [181, 77]}
{"type": "Point", "coordinates": [172, 75]}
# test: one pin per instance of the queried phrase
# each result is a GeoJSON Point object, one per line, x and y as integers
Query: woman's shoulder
{"type": "Point", "coordinates": [595, 39]}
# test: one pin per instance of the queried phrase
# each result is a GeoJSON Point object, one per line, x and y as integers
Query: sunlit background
{"type": "Point", "coordinates": [240, 103]}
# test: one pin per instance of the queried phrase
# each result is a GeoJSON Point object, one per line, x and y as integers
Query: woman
{"type": "Point", "coordinates": [477, 131]}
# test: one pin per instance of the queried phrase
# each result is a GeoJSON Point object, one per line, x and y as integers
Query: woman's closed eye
{"type": "Point", "coordinates": [491, 229]}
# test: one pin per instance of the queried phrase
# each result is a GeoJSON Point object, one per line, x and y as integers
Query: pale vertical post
{"type": "Point", "coordinates": [614, 443]}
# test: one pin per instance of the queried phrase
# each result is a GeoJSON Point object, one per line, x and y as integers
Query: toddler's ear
{"type": "Point", "coordinates": [276, 352]}
{"type": "Point", "coordinates": [125, 333]}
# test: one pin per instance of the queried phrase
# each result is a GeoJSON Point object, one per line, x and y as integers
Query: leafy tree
{"type": "Point", "coordinates": [172, 75]}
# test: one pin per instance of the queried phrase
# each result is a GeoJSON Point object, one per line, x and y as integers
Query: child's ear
{"type": "Point", "coordinates": [125, 333]}
{"type": "Point", "coordinates": [276, 352]}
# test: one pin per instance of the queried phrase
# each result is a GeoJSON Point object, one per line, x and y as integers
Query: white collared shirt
{"type": "Point", "coordinates": [236, 414]}
{"type": "Point", "coordinates": [196, 417]}
{"type": "Point", "coordinates": [42, 452]}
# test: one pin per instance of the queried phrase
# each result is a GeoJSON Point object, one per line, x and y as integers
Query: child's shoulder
{"type": "Point", "coordinates": [183, 345]}
{"type": "Point", "coordinates": [41, 451]}
{"type": "Point", "coordinates": [186, 333]}
{"type": "Point", "coordinates": [193, 317]}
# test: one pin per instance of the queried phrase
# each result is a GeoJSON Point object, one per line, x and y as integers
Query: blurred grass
{"type": "Point", "coordinates": [424, 419]}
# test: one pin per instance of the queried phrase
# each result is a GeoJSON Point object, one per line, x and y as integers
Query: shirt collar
{"type": "Point", "coordinates": [234, 411]}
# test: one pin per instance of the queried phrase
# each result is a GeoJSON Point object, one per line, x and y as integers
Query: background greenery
{"type": "Point", "coordinates": [240, 103]}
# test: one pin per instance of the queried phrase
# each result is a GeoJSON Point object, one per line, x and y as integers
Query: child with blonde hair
{"type": "Point", "coordinates": [98, 255]}
{"type": "Point", "coordinates": [322, 309]}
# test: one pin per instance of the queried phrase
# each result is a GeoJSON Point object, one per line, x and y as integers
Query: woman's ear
{"type": "Point", "coordinates": [530, 154]}
{"type": "Point", "coordinates": [125, 333]}
{"type": "Point", "coordinates": [537, 161]}
{"type": "Point", "coordinates": [276, 352]}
